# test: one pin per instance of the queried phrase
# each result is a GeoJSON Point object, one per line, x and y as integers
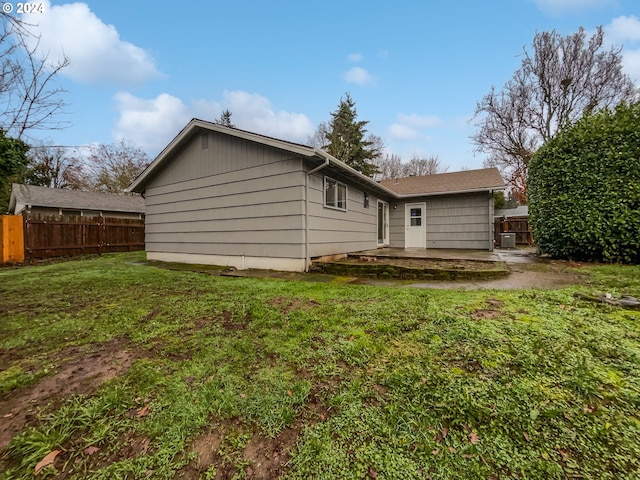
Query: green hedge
{"type": "Point", "coordinates": [584, 189]}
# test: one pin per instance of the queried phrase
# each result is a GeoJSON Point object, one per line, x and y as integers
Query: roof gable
{"type": "Point", "coordinates": [34, 196]}
{"type": "Point", "coordinates": [447, 183]}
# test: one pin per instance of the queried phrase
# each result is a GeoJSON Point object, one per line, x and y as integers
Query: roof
{"type": "Point", "coordinates": [33, 196]}
{"type": "Point", "coordinates": [457, 182]}
{"type": "Point", "coordinates": [465, 181]}
{"type": "Point", "coordinates": [519, 211]}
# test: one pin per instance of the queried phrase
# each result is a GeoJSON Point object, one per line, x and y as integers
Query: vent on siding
{"type": "Point", "coordinates": [205, 140]}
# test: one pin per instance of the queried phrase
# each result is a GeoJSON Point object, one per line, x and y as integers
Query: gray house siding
{"type": "Point", "coordinates": [459, 221]}
{"type": "Point", "coordinates": [234, 198]}
{"type": "Point", "coordinates": [452, 221]}
{"type": "Point", "coordinates": [334, 231]}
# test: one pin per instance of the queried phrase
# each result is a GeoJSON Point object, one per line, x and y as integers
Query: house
{"type": "Point", "coordinates": [219, 195]}
{"type": "Point", "coordinates": [31, 199]}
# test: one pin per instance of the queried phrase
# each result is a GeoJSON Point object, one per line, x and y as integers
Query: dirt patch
{"type": "Point", "coordinates": [485, 314]}
{"type": "Point", "coordinates": [288, 305]}
{"type": "Point", "coordinates": [267, 456]}
{"type": "Point", "coordinates": [228, 322]}
{"type": "Point", "coordinates": [78, 373]}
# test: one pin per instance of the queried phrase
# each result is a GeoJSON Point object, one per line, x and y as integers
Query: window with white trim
{"type": "Point", "coordinates": [335, 194]}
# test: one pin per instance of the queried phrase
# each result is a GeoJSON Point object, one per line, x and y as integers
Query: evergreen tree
{"type": "Point", "coordinates": [225, 119]}
{"type": "Point", "coordinates": [346, 138]}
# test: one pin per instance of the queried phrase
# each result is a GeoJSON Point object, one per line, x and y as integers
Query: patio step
{"type": "Point", "coordinates": [412, 268]}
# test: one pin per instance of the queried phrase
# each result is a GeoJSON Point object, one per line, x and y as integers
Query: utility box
{"type": "Point", "coordinates": [507, 240]}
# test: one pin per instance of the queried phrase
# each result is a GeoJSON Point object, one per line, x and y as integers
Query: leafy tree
{"type": "Point", "coordinates": [52, 166]}
{"type": "Point", "coordinates": [13, 161]}
{"type": "Point", "coordinates": [225, 119]}
{"type": "Point", "coordinates": [112, 168]}
{"type": "Point", "coordinates": [559, 81]}
{"type": "Point", "coordinates": [29, 99]}
{"type": "Point", "coordinates": [346, 140]}
{"type": "Point", "coordinates": [584, 189]}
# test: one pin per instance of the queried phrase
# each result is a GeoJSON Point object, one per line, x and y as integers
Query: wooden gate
{"type": "Point", "coordinates": [11, 239]}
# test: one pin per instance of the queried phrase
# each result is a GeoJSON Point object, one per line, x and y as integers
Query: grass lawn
{"type": "Point", "coordinates": [112, 369]}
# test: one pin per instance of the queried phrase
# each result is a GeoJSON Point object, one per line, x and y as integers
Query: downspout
{"type": "Point", "coordinates": [306, 211]}
{"type": "Point", "coordinates": [491, 222]}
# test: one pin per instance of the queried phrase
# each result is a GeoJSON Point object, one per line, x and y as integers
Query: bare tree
{"type": "Point", "coordinates": [113, 167]}
{"type": "Point", "coordinates": [392, 166]}
{"type": "Point", "coordinates": [53, 166]}
{"type": "Point", "coordinates": [30, 100]}
{"type": "Point", "coordinates": [562, 79]}
{"type": "Point", "coordinates": [319, 137]}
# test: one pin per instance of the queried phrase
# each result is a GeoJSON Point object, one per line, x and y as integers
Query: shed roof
{"type": "Point", "coordinates": [519, 211]}
{"type": "Point", "coordinates": [31, 195]}
{"type": "Point", "coordinates": [442, 183]}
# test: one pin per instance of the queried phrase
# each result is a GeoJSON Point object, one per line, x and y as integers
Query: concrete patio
{"type": "Point", "coordinates": [516, 255]}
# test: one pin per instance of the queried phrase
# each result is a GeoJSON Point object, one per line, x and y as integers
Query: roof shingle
{"type": "Point", "coordinates": [76, 199]}
{"type": "Point", "coordinates": [453, 182]}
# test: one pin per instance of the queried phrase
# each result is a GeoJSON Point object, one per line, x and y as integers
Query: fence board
{"type": "Point", "coordinates": [59, 236]}
{"type": "Point", "coordinates": [518, 226]}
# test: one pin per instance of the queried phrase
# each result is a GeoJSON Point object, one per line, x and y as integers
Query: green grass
{"type": "Point", "coordinates": [369, 381]}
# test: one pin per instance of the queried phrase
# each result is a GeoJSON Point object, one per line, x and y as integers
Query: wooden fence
{"type": "Point", "coordinates": [518, 226]}
{"type": "Point", "coordinates": [36, 237]}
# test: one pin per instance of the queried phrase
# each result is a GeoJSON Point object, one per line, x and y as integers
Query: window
{"type": "Point", "coordinates": [416, 217]}
{"type": "Point", "coordinates": [335, 194]}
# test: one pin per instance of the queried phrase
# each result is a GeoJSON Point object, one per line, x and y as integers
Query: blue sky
{"type": "Point", "coordinates": [140, 70]}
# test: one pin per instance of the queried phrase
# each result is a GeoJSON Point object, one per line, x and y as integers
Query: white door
{"type": "Point", "coordinates": [383, 223]}
{"type": "Point", "coordinates": [415, 228]}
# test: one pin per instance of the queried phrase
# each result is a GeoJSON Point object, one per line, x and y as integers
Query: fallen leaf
{"type": "Point", "coordinates": [424, 380]}
{"type": "Point", "coordinates": [91, 450]}
{"type": "Point", "coordinates": [452, 450]}
{"type": "Point", "coordinates": [466, 455]}
{"type": "Point", "coordinates": [8, 415]}
{"type": "Point", "coordinates": [445, 430]}
{"type": "Point", "coordinates": [143, 412]}
{"type": "Point", "coordinates": [137, 399]}
{"type": "Point", "coordinates": [436, 451]}
{"type": "Point", "coordinates": [48, 459]}
{"type": "Point", "coordinates": [249, 472]}
{"type": "Point", "coordinates": [563, 454]}
{"type": "Point", "coordinates": [473, 437]}
{"type": "Point", "coordinates": [243, 395]}
{"type": "Point", "coordinates": [145, 445]}
{"type": "Point", "coordinates": [526, 436]}
{"type": "Point", "coordinates": [289, 392]}
{"type": "Point", "coordinates": [373, 473]}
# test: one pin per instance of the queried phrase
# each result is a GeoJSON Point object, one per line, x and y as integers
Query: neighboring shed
{"type": "Point", "coordinates": [220, 195]}
{"type": "Point", "coordinates": [55, 201]}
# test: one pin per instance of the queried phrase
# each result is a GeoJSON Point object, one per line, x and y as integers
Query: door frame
{"type": "Point", "coordinates": [407, 224]}
{"type": "Point", "coordinates": [385, 226]}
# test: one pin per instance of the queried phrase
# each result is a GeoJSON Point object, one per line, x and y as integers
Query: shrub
{"type": "Point", "coordinates": [584, 189]}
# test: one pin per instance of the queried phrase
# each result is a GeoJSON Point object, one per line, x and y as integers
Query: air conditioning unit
{"type": "Point", "coordinates": [507, 240]}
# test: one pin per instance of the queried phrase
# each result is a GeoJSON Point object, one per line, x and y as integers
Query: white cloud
{"type": "Point", "coordinates": [419, 121]}
{"type": "Point", "coordinates": [403, 132]}
{"type": "Point", "coordinates": [564, 6]}
{"type": "Point", "coordinates": [253, 112]}
{"type": "Point", "coordinates": [355, 57]}
{"type": "Point", "coordinates": [626, 31]}
{"type": "Point", "coordinates": [95, 50]}
{"type": "Point", "coordinates": [152, 123]}
{"type": "Point", "coordinates": [358, 76]}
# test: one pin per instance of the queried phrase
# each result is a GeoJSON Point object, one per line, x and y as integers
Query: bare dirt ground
{"type": "Point", "coordinates": [78, 372]}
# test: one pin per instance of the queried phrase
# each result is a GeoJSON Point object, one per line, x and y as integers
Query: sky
{"type": "Point", "coordinates": [141, 69]}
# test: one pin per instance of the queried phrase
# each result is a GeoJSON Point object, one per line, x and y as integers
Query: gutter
{"type": "Point", "coordinates": [306, 209]}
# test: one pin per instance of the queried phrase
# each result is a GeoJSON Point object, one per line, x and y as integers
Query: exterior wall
{"type": "Point", "coordinates": [232, 201]}
{"type": "Point", "coordinates": [452, 221]}
{"type": "Point", "coordinates": [334, 231]}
